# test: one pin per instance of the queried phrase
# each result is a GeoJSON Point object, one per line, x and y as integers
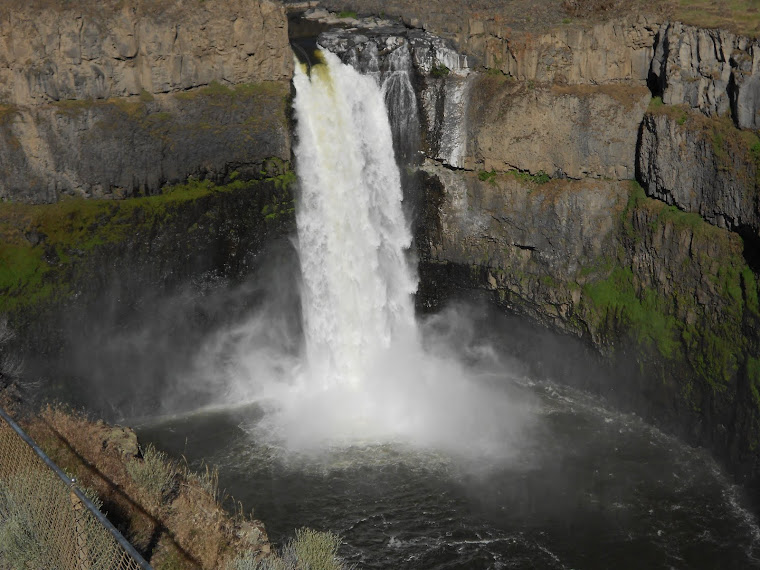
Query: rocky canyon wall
{"type": "Point", "coordinates": [117, 99]}
{"type": "Point", "coordinates": [597, 177]}
{"type": "Point", "coordinates": [143, 145]}
{"type": "Point", "coordinates": [603, 183]}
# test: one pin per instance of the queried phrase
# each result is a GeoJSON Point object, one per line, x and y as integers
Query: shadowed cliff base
{"type": "Point", "coordinates": [661, 294]}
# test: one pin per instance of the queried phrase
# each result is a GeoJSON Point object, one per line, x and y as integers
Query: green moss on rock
{"type": "Point", "coordinates": [45, 246]}
{"type": "Point", "coordinates": [689, 260]}
{"type": "Point", "coordinates": [615, 300]}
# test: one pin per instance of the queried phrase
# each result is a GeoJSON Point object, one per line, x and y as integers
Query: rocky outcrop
{"type": "Point", "coordinates": [608, 52]}
{"type": "Point", "coordinates": [714, 71]}
{"type": "Point", "coordinates": [488, 121]}
{"type": "Point", "coordinates": [120, 148]}
{"type": "Point", "coordinates": [701, 165]}
{"type": "Point", "coordinates": [527, 237]}
{"type": "Point", "coordinates": [120, 50]}
{"type": "Point", "coordinates": [574, 131]}
{"type": "Point", "coordinates": [120, 99]}
{"type": "Point", "coordinates": [387, 48]}
{"type": "Point", "coordinates": [529, 40]}
{"type": "Point", "coordinates": [424, 81]}
{"type": "Point", "coordinates": [661, 287]}
{"type": "Point", "coordinates": [657, 289]}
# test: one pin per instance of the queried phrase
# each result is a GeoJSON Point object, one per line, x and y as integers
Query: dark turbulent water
{"type": "Point", "coordinates": [591, 489]}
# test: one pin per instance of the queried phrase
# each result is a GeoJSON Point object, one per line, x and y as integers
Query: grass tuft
{"type": "Point", "coordinates": [309, 550]}
{"type": "Point", "coordinates": [154, 474]}
{"type": "Point", "coordinates": [439, 70]}
{"type": "Point", "coordinates": [487, 176]}
{"type": "Point", "coordinates": [539, 177]}
{"type": "Point", "coordinates": [20, 544]}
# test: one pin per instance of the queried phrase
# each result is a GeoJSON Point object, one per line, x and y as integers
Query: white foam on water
{"type": "Point", "coordinates": [365, 377]}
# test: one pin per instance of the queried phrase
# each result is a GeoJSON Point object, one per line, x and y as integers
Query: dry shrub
{"type": "Point", "coordinates": [20, 544]}
{"type": "Point", "coordinates": [35, 524]}
{"type": "Point", "coordinates": [315, 550]}
{"type": "Point", "coordinates": [154, 474]}
{"type": "Point", "coordinates": [207, 480]}
{"type": "Point", "coordinates": [309, 550]}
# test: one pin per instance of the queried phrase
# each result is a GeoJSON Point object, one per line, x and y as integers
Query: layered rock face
{"type": "Point", "coordinates": [714, 71]}
{"type": "Point", "coordinates": [475, 121]}
{"type": "Point", "coordinates": [607, 52]}
{"type": "Point", "coordinates": [408, 63]}
{"type": "Point", "coordinates": [122, 50]}
{"type": "Point", "coordinates": [123, 147]}
{"type": "Point", "coordinates": [121, 99]}
{"type": "Point", "coordinates": [526, 237]}
{"type": "Point", "coordinates": [528, 40]}
{"type": "Point", "coordinates": [564, 131]}
{"type": "Point", "coordinates": [657, 277]}
{"type": "Point", "coordinates": [702, 166]}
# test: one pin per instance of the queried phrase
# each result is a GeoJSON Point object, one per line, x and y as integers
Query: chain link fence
{"type": "Point", "coordinates": [46, 522]}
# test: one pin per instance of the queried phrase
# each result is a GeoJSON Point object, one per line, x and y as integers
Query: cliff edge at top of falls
{"type": "Point", "coordinates": [692, 53]}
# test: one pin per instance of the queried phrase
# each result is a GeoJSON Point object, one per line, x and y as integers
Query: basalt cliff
{"type": "Point", "coordinates": [118, 99]}
{"type": "Point", "coordinates": [598, 176]}
{"type": "Point", "coordinates": [600, 179]}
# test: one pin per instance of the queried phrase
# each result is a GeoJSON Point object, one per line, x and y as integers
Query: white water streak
{"type": "Point", "coordinates": [358, 286]}
{"type": "Point", "coordinates": [367, 375]}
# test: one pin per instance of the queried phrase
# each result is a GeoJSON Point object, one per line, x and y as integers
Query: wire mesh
{"type": "Point", "coordinates": [45, 521]}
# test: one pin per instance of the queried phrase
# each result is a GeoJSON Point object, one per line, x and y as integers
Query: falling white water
{"type": "Point", "coordinates": [453, 143]}
{"type": "Point", "coordinates": [367, 373]}
{"type": "Point", "coordinates": [352, 235]}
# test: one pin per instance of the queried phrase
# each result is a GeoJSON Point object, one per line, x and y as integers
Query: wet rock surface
{"type": "Point", "coordinates": [666, 299]}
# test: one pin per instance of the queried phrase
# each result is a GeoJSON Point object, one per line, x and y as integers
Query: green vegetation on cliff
{"type": "Point", "coordinates": [614, 302]}
{"type": "Point", "coordinates": [735, 150]}
{"type": "Point", "coordinates": [666, 308]}
{"type": "Point", "coordinates": [44, 247]}
{"type": "Point", "coordinates": [154, 114]}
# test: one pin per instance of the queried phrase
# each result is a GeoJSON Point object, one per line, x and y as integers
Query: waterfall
{"type": "Point", "coordinates": [352, 235]}
{"type": "Point", "coordinates": [367, 373]}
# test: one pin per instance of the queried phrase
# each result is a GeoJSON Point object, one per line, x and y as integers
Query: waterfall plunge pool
{"type": "Point", "coordinates": [590, 489]}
